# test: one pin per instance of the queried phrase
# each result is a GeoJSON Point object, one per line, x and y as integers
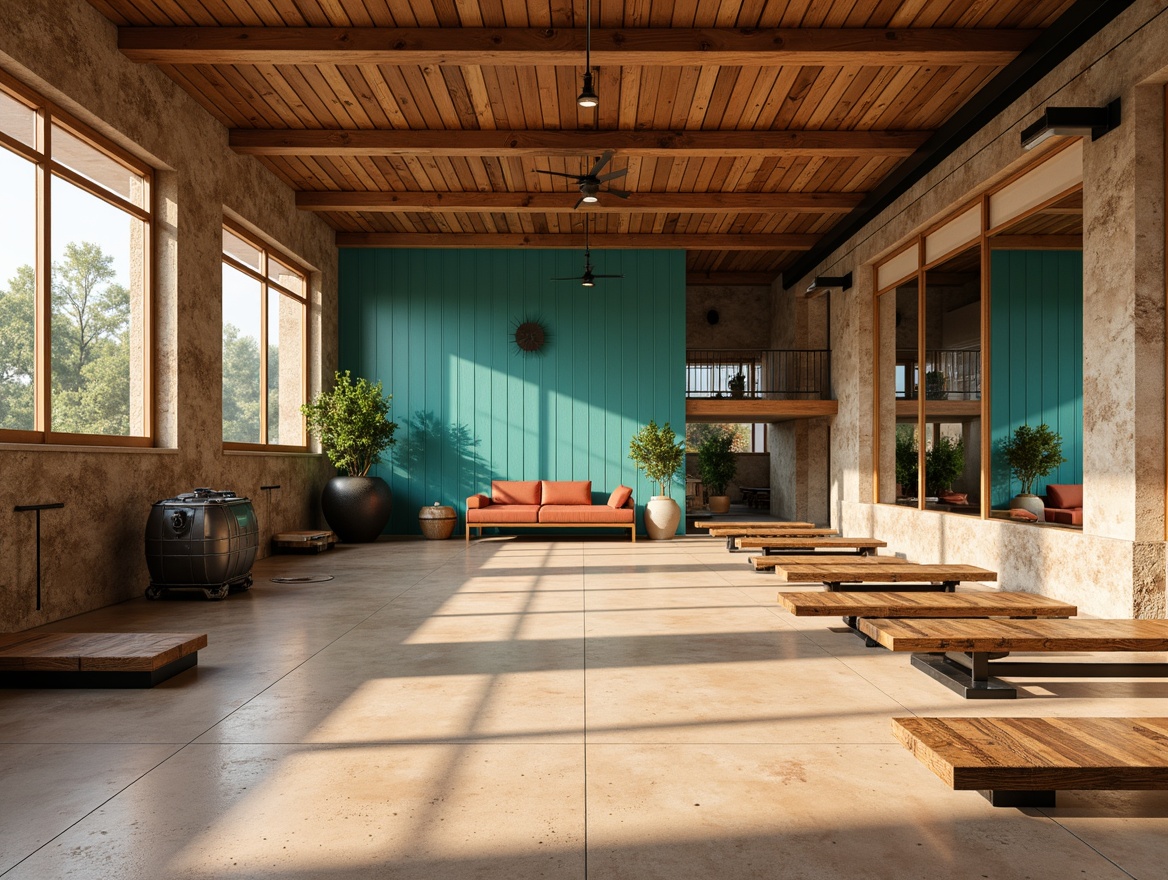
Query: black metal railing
{"type": "Point", "coordinates": [766, 374]}
{"type": "Point", "coordinates": [949, 374]}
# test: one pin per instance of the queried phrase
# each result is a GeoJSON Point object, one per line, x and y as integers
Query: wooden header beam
{"type": "Point", "coordinates": [561, 202]}
{"type": "Point", "coordinates": [565, 46]}
{"type": "Point", "coordinates": [598, 241]}
{"type": "Point", "coordinates": [576, 142]}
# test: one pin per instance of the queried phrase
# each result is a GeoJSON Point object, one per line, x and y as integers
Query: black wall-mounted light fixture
{"type": "Point", "coordinates": [824, 283]}
{"type": "Point", "coordinates": [588, 97]}
{"type": "Point", "coordinates": [1071, 122]}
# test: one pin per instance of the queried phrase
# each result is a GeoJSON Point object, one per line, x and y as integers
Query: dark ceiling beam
{"type": "Point", "coordinates": [565, 46]}
{"type": "Point", "coordinates": [1072, 29]}
{"type": "Point", "coordinates": [559, 202]}
{"type": "Point", "coordinates": [574, 142]}
{"type": "Point", "coordinates": [597, 240]}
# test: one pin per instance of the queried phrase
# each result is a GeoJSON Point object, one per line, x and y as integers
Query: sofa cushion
{"type": "Point", "coordinates": [515, 492]}
{"type": "Point", "coordinates": [479, 500]}
{"type": "Point", "coordinates": [584, 513]}
{"type": "Point", "coordinates": [1065, 496]}
{"type": "Point", "coordinates": [567, 491]}
{"type": "Point", "coordinates": [503, 513]}
{"type": "Point", "coordinates": [1071, 517]}
{"type": "Point", "coordinates": [620, 496]}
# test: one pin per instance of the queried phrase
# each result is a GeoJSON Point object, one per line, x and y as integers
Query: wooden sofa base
{"type": "Point", "coordinates": [632, 527]}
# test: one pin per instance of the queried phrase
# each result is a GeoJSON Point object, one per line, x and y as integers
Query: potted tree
{"type": "Point", "coordinates": [944, 463]}
{"type": "Point", "coordinates": [659, 453]}
{"type": "Point", "coordinates": [1032, 453]}
{"type": "Point", "coordinates": [906, 461]}
{"type": "Point", "coordinates": [936, 385]}
{"type": "Point", "coordinates": [717, 466]}
{"type": "Point", "coordinates": [353, 426]}
{"type": "Point", "coordinates": [737, 385]}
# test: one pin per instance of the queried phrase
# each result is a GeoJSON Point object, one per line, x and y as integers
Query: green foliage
{"type": "Point", "coordinates": [907, 462]}
{"type": "Point", "coordinates": [1032, 453]}
{"type": "Point", "coordinates": [944, 463]}
{"type": "Point", "coordinates": [716, 463]}
{"type": "Point", "coordinates": [352, 422]}
{"type": "Point", "coordinates": [658, 453]}
{"type": "Point", "coordinates": [936, 385]}
{"type": "Point", "coordinates": [90, 316]}
{"type": "Point", "coordinates": [696, 433]}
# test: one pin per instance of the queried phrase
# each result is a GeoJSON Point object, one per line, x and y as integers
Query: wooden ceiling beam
{"type": "Point", "coordinates": [562, 202]}
{"type": "Point", "coordinates": [565, 46]}
{"type": "Point", "coordinates": [572, 142]}
{"type": "Point", "coordinates": [597, 240]}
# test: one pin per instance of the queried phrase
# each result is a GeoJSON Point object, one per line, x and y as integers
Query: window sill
{"type": "Point", "coordinates": [97, 448]}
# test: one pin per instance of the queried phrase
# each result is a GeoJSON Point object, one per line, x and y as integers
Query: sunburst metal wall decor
{"type": "Point", "coordinates": [530, 334]}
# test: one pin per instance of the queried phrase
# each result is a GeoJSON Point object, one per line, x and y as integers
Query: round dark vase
{"type": "Point", "coordinates": [357, 508]}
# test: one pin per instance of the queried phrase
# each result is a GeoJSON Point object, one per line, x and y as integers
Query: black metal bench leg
{"type": "Point", "coordinates": [1000, 798]}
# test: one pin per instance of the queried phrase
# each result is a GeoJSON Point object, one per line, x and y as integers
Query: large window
{"type": "Point", "coordinates": [264, 326]}
{"type": "Point", "coordinates": [74, 280]}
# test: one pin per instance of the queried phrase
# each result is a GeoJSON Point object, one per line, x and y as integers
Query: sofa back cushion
{"type": "Point", "coordinates": [620, 497]}
{"type": "Point", "coordinates": [567, 492]}
{"type": "Point", "coordinates": [515, 491]}
{"type": "Point", "coordinates": [1066, 496]}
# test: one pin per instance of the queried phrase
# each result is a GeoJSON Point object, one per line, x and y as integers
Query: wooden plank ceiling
{"type": "Point", "coordinates": [748, 128]}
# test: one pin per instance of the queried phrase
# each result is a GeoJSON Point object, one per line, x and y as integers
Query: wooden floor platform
{"type": "Point", "coordinates": [835, 572]}
{"type": "Point", "coordinates": [734, 533]}
{"type": "Point", "coordinates": [962, 654]}
{"type": "Point", "coordinates": [946, 605]}
{"type": "Point", "coordinates": [769, 563]}
{"type": "Point", "coordinates": [755, 524]}
{"type": "Point", "coordinates": [304, 541]}
{"type": "Point", "coordinates": [830, 543]}
{"type": "Point", "coordinates": [78, 660]}
{"type": "Point", "coordinates": [1022, 762]}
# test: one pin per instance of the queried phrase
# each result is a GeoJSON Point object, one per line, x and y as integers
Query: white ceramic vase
{"type": "Point", "coordinates": [662, 514]}
{"type": "Point", "coordinates": [1032, 503]}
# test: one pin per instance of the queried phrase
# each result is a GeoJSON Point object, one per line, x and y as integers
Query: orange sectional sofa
{"type": "Point", "coordinates": [1064, 503]}
{"type": "Point", "coordinates": [560, 504]}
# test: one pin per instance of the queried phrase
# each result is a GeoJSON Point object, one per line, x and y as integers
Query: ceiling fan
{"type": "Point", "coordinates": [588, 279]}
{"type": "Point", "coordinates": [589, 184]}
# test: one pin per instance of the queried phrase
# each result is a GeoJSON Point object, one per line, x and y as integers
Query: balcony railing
{"type": "Point", "coordinates": [950, 374]}
{"type": "Point", "coordinates": [760, 374]}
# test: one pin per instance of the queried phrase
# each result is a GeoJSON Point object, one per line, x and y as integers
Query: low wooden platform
{"type": "Point", "coordinates": [771, 546]}
{"type": "Point", "coordinates": [756, 524]}
{"type": "Point", "coordinates": [769, 563]}
{"type": "Point", "coordinates": [73, 660]}
{"type": "Point", "coordinates": [732, 533]}
{"type": "Point", "coordinates": [957, 653]}
{"type": "Point", "coordinates": [307, 540]}
{"type": "Point", "coordinates": [1022, 762]}
{"type": "Point", "coordinates": [947, 605]}
{"type": "Point", "coordinates": [833, 573]}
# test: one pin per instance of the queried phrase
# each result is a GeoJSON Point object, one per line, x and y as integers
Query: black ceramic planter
{"type": "Point", "coordinates": [357, 508]}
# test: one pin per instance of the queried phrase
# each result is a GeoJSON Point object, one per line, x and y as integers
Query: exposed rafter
{"type": "Point", "coordinates": [545, 202]}
{"type": "Point", "coordinates": [599, 241]}
{"type": "Point", "coordinates": [577, 142]}
{"type": "Point", "coordinates": [560, 46]}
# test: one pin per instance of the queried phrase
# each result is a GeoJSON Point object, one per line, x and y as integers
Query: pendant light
{"type": "Point", "coordinates": [588, 97]}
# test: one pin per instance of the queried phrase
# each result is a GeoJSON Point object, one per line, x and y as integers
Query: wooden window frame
{"type": "Point", "coordinates": [49, 115]}
{"type": "Point", "coordinates": [267, 252]}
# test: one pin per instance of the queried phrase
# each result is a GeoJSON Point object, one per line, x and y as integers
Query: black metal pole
{"type": "Point", "coordinates": [20, 508]}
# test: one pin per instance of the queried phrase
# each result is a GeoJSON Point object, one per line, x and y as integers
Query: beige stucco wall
{"type": "Point", "coordinates": [1115, 565]}
{"type": "Point", "coordinates": [92, 550]}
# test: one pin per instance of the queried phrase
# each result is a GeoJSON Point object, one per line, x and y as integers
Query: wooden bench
{"type": "Point", "coordinates": [906, 576]}
{"type": "Point", "coordinates": [73, 660]}
{"type": "Point", "coordinates": [964, 654]}
{"type": "Point", "coordinates": [831, 544]}
{"type": "Point", "coordinates": [1022, 762]}
{"type": "Point", "coordinates": [770, 563]}
{"type": "Point", "coordinates": [853, 605]}
{"type": "Point", "coordinates": [757, 524]}
{"type": "Point", "coordinates": [731, 533]}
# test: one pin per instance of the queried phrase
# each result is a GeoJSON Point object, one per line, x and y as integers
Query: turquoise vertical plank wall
{"type": "Point", "coordinates": [1036, 357]}
{"type": "Point", "coordinates": [435, 326]}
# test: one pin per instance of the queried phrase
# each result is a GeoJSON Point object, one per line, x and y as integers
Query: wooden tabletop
{"type": "Point", "coordinates": [842, 569]}
{"type": "Point", "coordinates": [129, 652]}
{"type": "Point", "coordinates": [758, 524]}
{"type": "Point", "coordinates": [880, 604]}
{"type": "Point", "coordinates": [1028, 754]}
{"type": "Point", "coordinates": [823, 542]}
{"type": "Point", "coordinates": [762, 562]}
{"type": "Point", "coordinates": [1076, 634]}
{"type": "Point", "coordinates": [775, 532]}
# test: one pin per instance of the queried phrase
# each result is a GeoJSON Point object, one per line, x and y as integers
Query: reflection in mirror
{"type": "Point", "coordinates": [952, 383]}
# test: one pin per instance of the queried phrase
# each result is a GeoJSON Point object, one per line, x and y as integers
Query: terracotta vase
{"type": "Point", "coordinates": [719, 503]}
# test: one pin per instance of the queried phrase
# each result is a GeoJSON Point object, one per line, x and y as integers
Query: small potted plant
{"type": "Point", "coordinates": [944, 463]}
{"type": "Point", "coordinates": [737, 385]}
{"type": "Point", "coordinates": [659, 453]}
{"type": "Point", "coordinates": [353, 426]}
{"type": "Point", "coordinates": [906, 461]}
{"type": "Point", "coordinates": [1032, 453]}
{"type": "Point", "coordinates": [717, 466]}
{"type": "Point", "coordinates": [936, 385]}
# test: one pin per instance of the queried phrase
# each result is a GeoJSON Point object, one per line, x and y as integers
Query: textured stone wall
{"type": "Point", "coordinates": [744, 314]}
{"type": "Point", "coordinates": [92, 550]}
{"type": "Point", "coordinates": [1116, 565]}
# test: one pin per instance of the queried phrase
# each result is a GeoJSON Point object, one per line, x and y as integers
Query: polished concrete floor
{"type": "Point", "coordinates": [530, 708]}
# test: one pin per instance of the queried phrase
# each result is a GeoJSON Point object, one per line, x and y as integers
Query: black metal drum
{"type": "Point", "coordinates": [201, 540]}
